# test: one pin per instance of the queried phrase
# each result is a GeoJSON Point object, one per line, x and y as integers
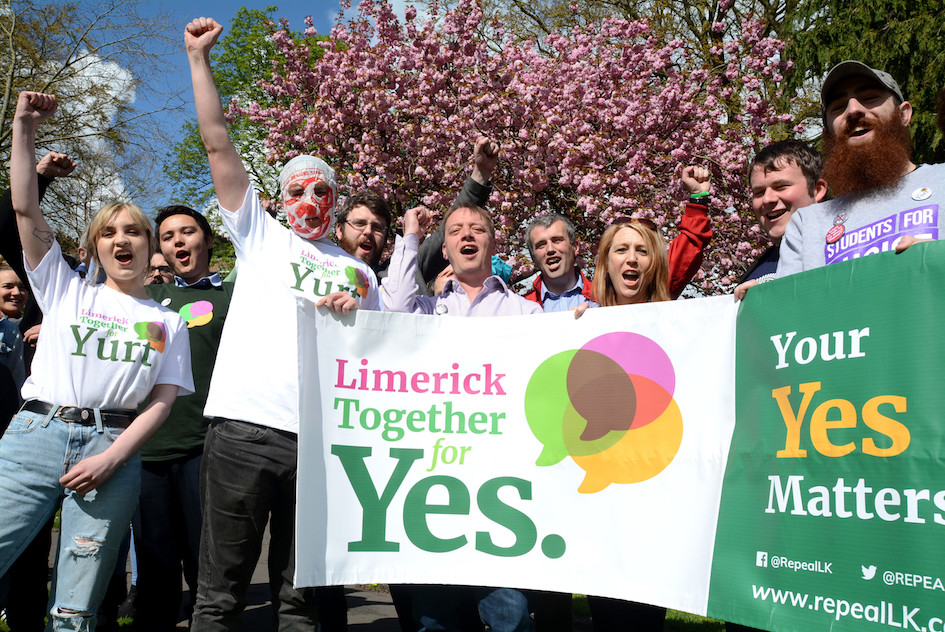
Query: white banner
{"type": "Point", "coordinates": [530, 452]}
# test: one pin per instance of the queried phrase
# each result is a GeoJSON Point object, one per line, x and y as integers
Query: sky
{"type": "Point", "coordinates": [175, 75]}
{"type": "Point", "coordinates": [180, 12]}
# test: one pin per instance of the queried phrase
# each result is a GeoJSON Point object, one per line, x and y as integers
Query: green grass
{"type": "Point", "coordinates": [579, 606]}
{"type": "Point", "coordinates": [675, 621]}
{"type": "Point", "coordinates": [685, 622]}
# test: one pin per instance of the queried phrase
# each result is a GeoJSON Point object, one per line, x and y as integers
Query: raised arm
{"type": "Point", "coordinates": [476, 191]}
{"type": "Point", "coordinates": [226, 167]}
{"type": "Point", "coordinates": [32, 108]}
{"type": "Point", "coordinates": [695, 231]}
{"type": "Point", "coordinates": [485, 160]}
{"type": "Point", "coordinates": [400, 285]}
{"type": "Point", "coordinates": [51, 166]}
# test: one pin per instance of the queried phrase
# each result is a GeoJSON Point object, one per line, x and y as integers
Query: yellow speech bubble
{"type": "Point", "coordinates": [640, 454]}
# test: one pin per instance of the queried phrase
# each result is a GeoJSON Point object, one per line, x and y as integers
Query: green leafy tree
{"type": "Point", "coordinates": [94, 58]}
{"type": "Point", "coordinates": [245, 56]}
{"type": "Point", "coordinates": [901, 37]}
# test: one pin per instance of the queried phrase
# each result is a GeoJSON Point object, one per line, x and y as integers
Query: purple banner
{"type": "Point", "coordinates": [884, 234]}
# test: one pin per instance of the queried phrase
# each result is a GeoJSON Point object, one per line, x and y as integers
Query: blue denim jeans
{"type": "Point", "coordinates": [457, 608]}
{"type": "Point", "coordinates": [34, 452]}
{"type": "Point", "coordinates": [506, 610]}
{"type": "Point", "coordinates": [248, 478]}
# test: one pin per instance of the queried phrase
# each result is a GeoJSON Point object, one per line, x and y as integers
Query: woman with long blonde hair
{"type": "Point", "coordinates": [632, 264]}
{"type": "Point", "coordinates": [632, 267]}
{"type": "Point", "coordinates": [105, 349]}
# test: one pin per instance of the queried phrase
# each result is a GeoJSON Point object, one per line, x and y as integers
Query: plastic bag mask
{"type": "Point", "coordinates": [309, 193]}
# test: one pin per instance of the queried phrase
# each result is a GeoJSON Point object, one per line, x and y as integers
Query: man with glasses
{"type": "Point", "coordinates": [158, 271]}
{"type": "Point", "coordinates": [363, 226]}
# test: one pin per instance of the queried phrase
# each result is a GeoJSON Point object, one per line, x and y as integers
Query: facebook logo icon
{"type": "Point", "coordinates": [761, 559]}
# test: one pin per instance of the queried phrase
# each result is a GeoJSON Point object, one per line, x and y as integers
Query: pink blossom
{"type": "Point", "coordinates": [601, 121]}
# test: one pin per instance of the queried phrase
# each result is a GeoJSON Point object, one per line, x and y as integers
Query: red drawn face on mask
{"type": "Point", "coordinates": [309, 203]}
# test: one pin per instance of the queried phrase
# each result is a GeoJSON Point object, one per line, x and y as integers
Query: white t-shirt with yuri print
{"type": "Point", "coordinates": [100, 348]}
{"type": "Point", "coordinates": [256, 374]}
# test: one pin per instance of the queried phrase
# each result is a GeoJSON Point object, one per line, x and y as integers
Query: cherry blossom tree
{"type": "Point", "coordinates": [593, 123]}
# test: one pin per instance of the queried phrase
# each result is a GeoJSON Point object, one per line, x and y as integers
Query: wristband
{"type": "Point", "coordinates": [696, 196]}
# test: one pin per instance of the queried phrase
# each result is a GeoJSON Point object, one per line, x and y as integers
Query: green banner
{"type": "Point", "coordinates": [833, 503]}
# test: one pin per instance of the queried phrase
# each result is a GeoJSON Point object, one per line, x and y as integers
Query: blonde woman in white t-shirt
{"type": "Point", "coordinates": [105, 348]}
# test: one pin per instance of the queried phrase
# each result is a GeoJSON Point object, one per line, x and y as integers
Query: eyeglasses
{"type": "Point", "coordinates": [160, 269]}
{"type": "Point", "coordinates": [361, 224]}
{"type": "Point", "coordinates": [640, 220]}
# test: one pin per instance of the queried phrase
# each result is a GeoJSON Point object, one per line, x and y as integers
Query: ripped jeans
{"type": "Point", "coordinates": [34, 452]}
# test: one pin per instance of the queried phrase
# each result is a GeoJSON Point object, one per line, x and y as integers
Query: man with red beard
{"type": "Point", "coordinates": [884, 201]}
{"type": "Point", "coordinates": [362, 227]}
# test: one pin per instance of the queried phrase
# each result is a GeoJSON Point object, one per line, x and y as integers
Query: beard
{"type": "Point", "coordinates": [351, 247]}
{"type": "Point", "coordinates": [875, 166]}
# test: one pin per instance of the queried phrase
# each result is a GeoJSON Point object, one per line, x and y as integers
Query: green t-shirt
{"type": "Point", "coordinates": [204, 310]}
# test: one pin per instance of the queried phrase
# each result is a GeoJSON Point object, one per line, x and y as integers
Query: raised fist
{"type": "Point", "coordinates": [201, 34]}
{"type": "Point", "coordinates": [695, 179]}
{"type": "Point", "coordinates": [485, 157]}
{"type": "Point", "coordinates": [35, 106]}
{"type": "Point", "coordinates": [56, 165]}
{"type": "Point", "coordinates": [416, 220]}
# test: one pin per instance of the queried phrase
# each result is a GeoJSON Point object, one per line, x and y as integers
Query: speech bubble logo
{"type": "Point", "coordinates": [153, 332]}
{"type": "Point", "coordinates": [357, 279]}
{"type": "Point", "coordinates": [197, 314]}
{"type": "Point", "coordinates": [601, 393]}
{"type": "Point", "coordinates": [546, 397]}
{"type": "Point", "coordinates": [609, 406]}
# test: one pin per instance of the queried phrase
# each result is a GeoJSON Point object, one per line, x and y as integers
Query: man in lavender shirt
{"type": "Point", "coordinates": [468, 245]}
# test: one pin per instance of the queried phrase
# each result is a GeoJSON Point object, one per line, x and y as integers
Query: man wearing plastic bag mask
{"type": "Point", "coordinates": [309, 193]}
{"type": "Point", "coordinates": [250, 454]}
